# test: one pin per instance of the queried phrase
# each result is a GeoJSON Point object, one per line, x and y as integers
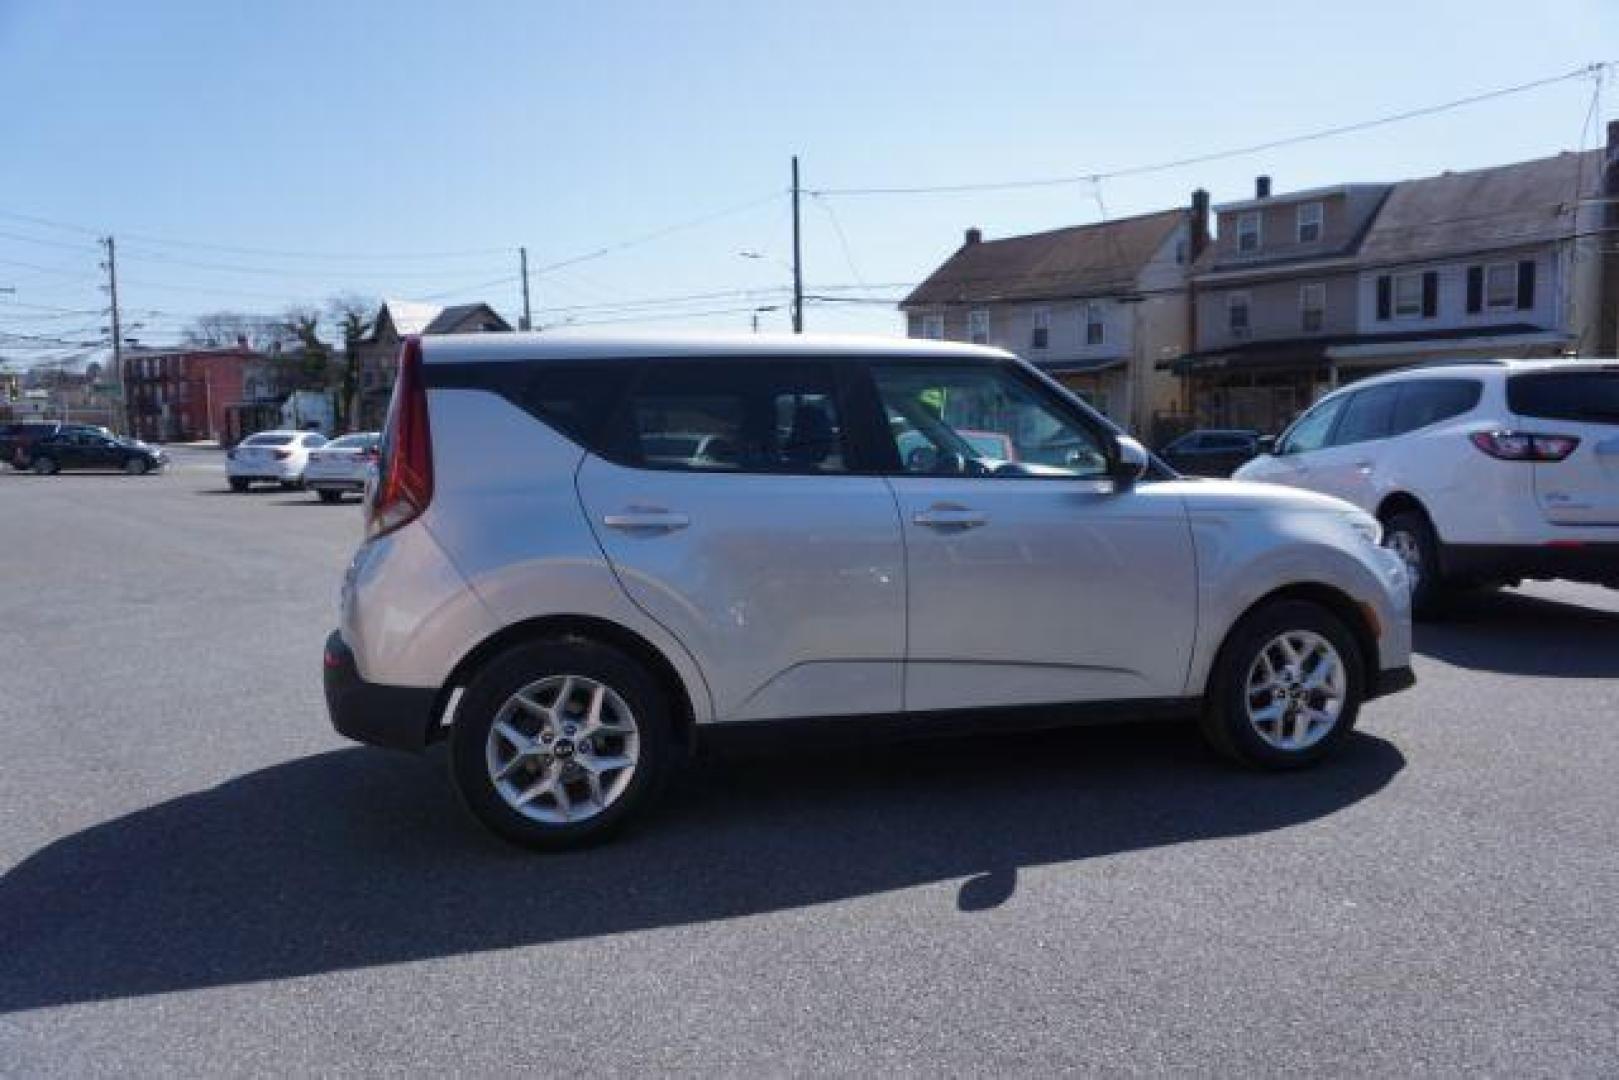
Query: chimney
{"type": "Point", "coordinates": [975, 235]}
{"type": "Point", "coordinates": [1199, 225]}
{"type": "Point", "coordinates": [1261, 187]}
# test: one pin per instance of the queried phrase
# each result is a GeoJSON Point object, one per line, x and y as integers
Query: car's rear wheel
{"type": "Point", "coordinates": [1286, 687]}
{"type": "Point", "coordinates": [44, 466]}
{"type": "Point", "coordinates": [238, 485]}
{"type": "Point", "coordinates": [330, 496]}
{"type": "Point", "coordinates": [291, 485]}
{"type": "Point", "coordinates": [558, 743]}
{"type": "Point", "coordinates": [1410, 535]}
{"type": "Point", "coordinates": [136, 466]}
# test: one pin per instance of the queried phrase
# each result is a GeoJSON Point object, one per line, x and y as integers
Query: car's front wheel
{"type": "Point", "coordinates": [44, 466]}
{"type": "Point", "coordinates": [1410, 535]}
{"type": "Point", "coordinates": [558, 743]}
{"type": "Point", "coordinates": [1286, 687]}
{"type": "Point", "coordinates": [136, 466]}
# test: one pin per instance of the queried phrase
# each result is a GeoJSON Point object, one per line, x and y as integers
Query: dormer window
{"type": "Point", "coordinates": [1248, 231]}
{"type": "Point", "coordinates": [1310, 218]}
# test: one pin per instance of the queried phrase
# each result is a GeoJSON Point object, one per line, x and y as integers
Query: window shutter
{"type": "Point", "coordinates": [1526, 284]}
{"type": "Point", "coordinates": [1385, 296]}
{"type": "Point", "coordinates": [1475, 289]}
{"type": "Point", "coordinates": [1430, 294]}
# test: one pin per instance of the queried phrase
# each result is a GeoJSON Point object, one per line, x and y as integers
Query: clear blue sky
{"type": "Point", "coordinates": [374, 130]}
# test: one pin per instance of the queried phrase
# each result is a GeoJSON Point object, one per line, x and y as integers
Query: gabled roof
{"type": "Point", "coordinates": [1084, 260]}
{"type": "Point", "coordinates": [451, 318]}
{"type": "Point", "coordinates": [1508, 206]}
{"type": "Point", "coordinates": [415, 317]}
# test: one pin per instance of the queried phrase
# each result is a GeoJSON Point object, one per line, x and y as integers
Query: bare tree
{"type": "Point", "coordinates": [355, 317]}
{"type": "Point", "coordinates": [222, 329]}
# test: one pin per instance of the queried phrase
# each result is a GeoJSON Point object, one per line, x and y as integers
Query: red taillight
{"type": "Point", "coordinates": [405, 477]}
{"type": "Point", "coordinates": [282, 455]}
{"type": "Point", "coordinates": [1524, 445]}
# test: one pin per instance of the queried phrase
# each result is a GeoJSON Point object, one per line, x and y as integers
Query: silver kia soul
{"type": "Point", "coordinates": [584, 555]}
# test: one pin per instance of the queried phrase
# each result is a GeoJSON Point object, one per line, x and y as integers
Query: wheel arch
{"type": "Point", "coordinates": [1334, 600]}
{"type": "Point", "coordinates": [1396, 502]}
{"type": "Point", "coordinates": [577, 626]}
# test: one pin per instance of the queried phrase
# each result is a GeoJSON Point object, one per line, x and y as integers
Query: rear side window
{"type": "Point", "coordinates": [751, 416]}
{"type": "Point", "coordinates": [268, 440]}
{"type": "Point", "coordinates": [314, 440]}
{"type": "Point", "coordinates": [574, 399]}
{"type": "Point", "coordinates": [1582, 396]}
{"type": "Point", "coordinates": [1369, 415]}
{"type": "Point", "coordinates": [1227, 441]}
{"type": "Point", "coordinates": [1428, 401]}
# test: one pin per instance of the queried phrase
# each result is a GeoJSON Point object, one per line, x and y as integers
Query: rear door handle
{"type": "Point", "coordinates": [950, 517]}
{"type": "Point", "coordinates": [1364, 466]}
{"type": "Point", "coordinates": [637, 517]}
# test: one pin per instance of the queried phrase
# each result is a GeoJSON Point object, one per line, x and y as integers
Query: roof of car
{"type": "Point", "coordinates": [1479, 368]}
{"type": "Point", "coordinates": [582, 345]}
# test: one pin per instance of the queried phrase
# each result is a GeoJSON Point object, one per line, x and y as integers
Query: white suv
{"type": "Point", "coordinates": [615, 547]}
{"type": "Point", "coordinates": [1481, 473]}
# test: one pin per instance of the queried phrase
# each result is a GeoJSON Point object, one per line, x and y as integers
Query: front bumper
{"type": "Point", "coordinates": [396, 717]}
{"type": "Point", "coordinates": [1594, 563]}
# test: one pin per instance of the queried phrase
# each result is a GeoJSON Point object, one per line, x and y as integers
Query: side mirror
{"type": "Point", "coordinates": [1267, 444]}
{"type": "Point", "coordinates": [1130, 462]}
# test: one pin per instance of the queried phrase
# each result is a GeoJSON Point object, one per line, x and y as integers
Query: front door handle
{"type": "Point", "coordinates": [640, 517]}
{"type": "Point", "coordinates": [950, 517]}
{"type": "Point", "coordinates": [1364, 466]}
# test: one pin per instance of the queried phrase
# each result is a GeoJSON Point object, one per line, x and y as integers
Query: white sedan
{"type": "Point", "coordinates": [342, 465]}
{"type": "Point", "coordinates": [271, 457]}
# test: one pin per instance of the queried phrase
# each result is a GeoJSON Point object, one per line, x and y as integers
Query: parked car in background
{"type": "Point", "coordinates": [81, 449]}
{"type": "Point", "coordinates": [1211, 451]}
{"type": "Point", "coordinates": [16, 438]}
{"type": "Point", "coordinates": [601, 605]}
{"type": "Point", "coordinates": [1482, 473]}
{"type": "Point", "coordinates": [342, 465]}
{"type": "Point", "coordinates": [271, 457]}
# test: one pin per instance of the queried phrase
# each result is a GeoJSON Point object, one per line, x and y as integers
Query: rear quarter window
{"type": "Point", "coordinates": [1429, 401]}
{"type": "Point", "coordinates": [573, 399]}
{"type": "Point", "coordinates": [1581, 396]}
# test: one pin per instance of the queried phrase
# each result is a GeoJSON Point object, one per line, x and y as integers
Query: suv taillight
{"type": "Point", "coordinates": [404, 484]}
{"type": "Point", "coordinates": [1524, 445]}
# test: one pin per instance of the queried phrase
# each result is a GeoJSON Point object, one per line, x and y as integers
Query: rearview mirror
{"type": "Point", "coordinates": [1130, 462]}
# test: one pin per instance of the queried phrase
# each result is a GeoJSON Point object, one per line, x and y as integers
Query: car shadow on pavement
{"type": "Point", "coordinates": [354, 858]}
{"type": "Point", "coordinates": [1518, 634]}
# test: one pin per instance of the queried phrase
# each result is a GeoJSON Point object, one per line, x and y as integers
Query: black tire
{"type": "Point", "coordinates": [43, 466]}
{"type": "Point", "coordinates": [1225, 721]}
{"type": "Point", "coordinates": [522, 665]}
{"type": "Point", "coordinates": [239, 485]}
{"type": "Point", "coordinates": [136, 466]}
{"type": "Point", "coordinates": [291, 485]}
{"type": "Point", "coordinates": [1431, 589]}
{"type": "Point", "coordinates": [330, 496]}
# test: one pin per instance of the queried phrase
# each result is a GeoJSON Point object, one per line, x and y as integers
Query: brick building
{"type": "Point", "coordinates": [181, 394]}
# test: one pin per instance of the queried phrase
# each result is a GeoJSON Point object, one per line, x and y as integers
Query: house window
{"type": "Point", "coordinates": [1095, 325]}
{"type": "Point", "coordinates": [1312, 307]}
{"type": "Point", "coordinates": [1500, 286]}
{"type": "Point", "coordinates": [978, 326]}
{"type": "Point", "coordinates": [1309, 222]}
{"type": "Point", "coordinates": [1248, 232]}
{"type": "Point", "coordinates": [1407, 295]}
{"type": "Point", "coordinates": [933, 327]}
{"type": "Point", "coordinates": [1237, 314]}
{"type": "Point", "coordinates": [1040, 336]}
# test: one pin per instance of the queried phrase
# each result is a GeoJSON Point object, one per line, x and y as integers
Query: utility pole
{"type": "Point", "coordinates": [528, 318]}
{"type": "Point", "coordinates": [111, 266]}
{"type": "Point", "coordinates": [798, 260]}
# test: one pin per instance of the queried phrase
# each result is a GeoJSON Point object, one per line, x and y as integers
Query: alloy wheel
{"type": "Point", "coordinates": [1409, 548]}
{"type": "Point", "coordinates": [563, 749]}
{"type": "Point", "coordinates": [1295, 690]}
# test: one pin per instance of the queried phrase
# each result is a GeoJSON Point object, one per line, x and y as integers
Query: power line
{"type": "Point", "coordinates": [656, 234]}
{"type": "Point", "coordinates": [1587, 71]}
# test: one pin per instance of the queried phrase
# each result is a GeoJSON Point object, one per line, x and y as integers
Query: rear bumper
{"type": "Point", "coordinates": [396, 717]}
{"type": "Point", "coordinates": [1594, 563]}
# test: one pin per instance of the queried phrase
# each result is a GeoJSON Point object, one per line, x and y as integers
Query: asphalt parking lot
{"type": "Point", "coordinates": [200, 877]}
